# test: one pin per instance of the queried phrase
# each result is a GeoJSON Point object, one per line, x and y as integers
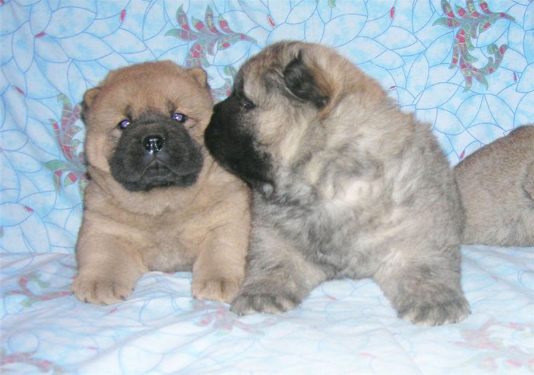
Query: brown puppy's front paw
{"type": "Point", "coordinates": [101, 290]}
{"type": "Point", "coordinates": [221, 290]}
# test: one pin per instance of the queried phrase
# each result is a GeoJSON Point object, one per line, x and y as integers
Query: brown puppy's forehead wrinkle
{"type": "Point", "coordinates": [171, 107]}
{"type": "Point", "coordinates": [167, 102]}
{"type": "Point", "coordinates": [134, 112]}
{"type": "Point", "coordinates": [128, 112]}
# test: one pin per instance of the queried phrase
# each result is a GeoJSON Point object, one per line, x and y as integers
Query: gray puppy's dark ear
{"type": "Point", "coordinates": [88, 99]}
{"type": "Point", "coordinates": [306, 82]}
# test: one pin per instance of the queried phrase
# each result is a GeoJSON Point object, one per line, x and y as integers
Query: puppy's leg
{"type": "Point", "coordinates": [108, 269]}
{"type": "Point", "coordinates": [219, 269]}
{"type": "Point", "coordinates": [278, 277]}
{"type": "Point", "coordinates": [425, 289]}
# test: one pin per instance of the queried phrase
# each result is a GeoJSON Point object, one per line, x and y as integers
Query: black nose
{"type": "Point", "coordinates": [153, 143]}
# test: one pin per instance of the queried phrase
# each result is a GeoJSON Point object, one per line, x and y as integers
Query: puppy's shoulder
{"type": "Point", "coordinates": [525, 132]}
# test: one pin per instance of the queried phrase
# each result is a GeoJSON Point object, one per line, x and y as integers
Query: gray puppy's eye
{"type": "Point", "coordinates": [180, 117]}
{"type": "Point", "coordinates": [123, 124]}
{"type": "Point", "coordinates": [248, 104]}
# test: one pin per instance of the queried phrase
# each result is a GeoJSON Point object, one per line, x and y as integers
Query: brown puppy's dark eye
{"type": "Point", "coordinates": [123, 124]}
{"type": "Point", "coordinates": [248, 104]}
{"type": "Point", "coordinates": [180, 117]}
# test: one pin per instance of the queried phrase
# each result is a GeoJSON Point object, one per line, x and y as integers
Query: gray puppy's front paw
{"type": "Point", "coordinates": [438, 312]}
{"type": "Point", "coordinates": [249, 303]}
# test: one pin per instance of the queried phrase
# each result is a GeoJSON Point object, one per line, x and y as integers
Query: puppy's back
{"type": "Point", "coordinates": [497, 188]}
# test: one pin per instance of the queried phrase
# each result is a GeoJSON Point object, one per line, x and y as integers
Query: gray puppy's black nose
{"type": "Point", "coordinates": [153, 143]}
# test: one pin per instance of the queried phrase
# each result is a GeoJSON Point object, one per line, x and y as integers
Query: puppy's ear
{"type": "Point", "coordinates": [307, 83]}
{"type": "Point", "coordinates": [88, 100]}
{"type": "Point", "coordinates": [199, 75]}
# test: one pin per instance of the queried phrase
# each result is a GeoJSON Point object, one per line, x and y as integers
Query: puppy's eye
{"type": "Point", "coordinates": [180, 117]}
{"type": "Point", "coordinates": [123, 124]}
{"type": "Point", "coordinates": [248, 104]}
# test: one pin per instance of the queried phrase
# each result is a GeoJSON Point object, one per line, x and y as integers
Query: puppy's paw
{"type": "Point", "coordinates": [101, 290]}
{"type": "Point", "coordinates": [438, 312]}
{"type": "Point", "coordinates": [221, 290]}
{"type": "Point", "coordinates": [249, 303]}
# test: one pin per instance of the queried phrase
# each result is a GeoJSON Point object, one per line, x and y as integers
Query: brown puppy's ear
{"type": "Point", "coordinates": [199, 75]}
{"type": "Point", "coordinates": [90, 96]}
{"type": "Point", "coordinates": [88, 100]}
{"type": "Point", "coordinates": [307, 83]}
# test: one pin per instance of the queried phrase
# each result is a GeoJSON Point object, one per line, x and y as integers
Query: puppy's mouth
{"type": "Point", "coordinates": [160, 174]}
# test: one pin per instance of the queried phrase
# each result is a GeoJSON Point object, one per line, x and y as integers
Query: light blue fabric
{"type": "Point", "coordinates": [343, 327]}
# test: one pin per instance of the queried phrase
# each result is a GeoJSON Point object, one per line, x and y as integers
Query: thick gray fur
{"type": "Point", "coordinates": [363, 191]}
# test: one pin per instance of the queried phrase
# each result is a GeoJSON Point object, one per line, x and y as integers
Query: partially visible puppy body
{"type": "Point", "coordinates": [497, 187]}
{"type": "Point", "coordinates": [156, 199]}
{"type": "Point", "coordinates": [344, 185]}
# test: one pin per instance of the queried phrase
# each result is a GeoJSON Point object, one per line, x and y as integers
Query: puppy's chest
{"type": "Point", "coordinates": [327, 236]}
{"type": "Point", "coordinates": [176, 243]}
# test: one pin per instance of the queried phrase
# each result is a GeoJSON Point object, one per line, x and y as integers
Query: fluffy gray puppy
{"type": "Point", "coordinates": [497, 188]}
{"type": "Point", "coordinates": [344, 185]}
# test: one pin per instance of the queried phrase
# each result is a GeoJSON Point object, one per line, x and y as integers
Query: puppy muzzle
{"type": "Point", "coordinates": [156, 152]}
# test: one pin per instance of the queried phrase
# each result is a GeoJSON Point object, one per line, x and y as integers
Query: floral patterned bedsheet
{"type": "Point", "coordinates": [465, 66]}
{"type": "Point", "coordinates": [343, 327]}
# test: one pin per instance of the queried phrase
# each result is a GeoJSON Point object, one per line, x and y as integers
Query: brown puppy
{"type": "Point", "coordinates": [157, 200]}
{"type": "Point", "coordinates": [497, 188]}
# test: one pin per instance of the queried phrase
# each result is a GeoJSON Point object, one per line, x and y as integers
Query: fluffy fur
{"type": "Point", "coordinates": [344, 185]}
{"type": "Point", "coordinates": [497, 187]}
{"type": "Point", "coordinates": [156, 199]}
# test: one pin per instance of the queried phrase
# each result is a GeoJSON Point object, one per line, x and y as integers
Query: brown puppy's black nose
{"type": "Point", "coordinates": [153, 143]}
